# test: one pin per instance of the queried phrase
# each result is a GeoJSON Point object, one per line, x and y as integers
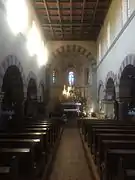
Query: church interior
{"type": "Point", "coordinates": [67, 90]}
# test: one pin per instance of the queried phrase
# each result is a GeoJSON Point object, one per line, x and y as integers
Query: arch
{"type": "Point", "coordinates": [100, 85]}
{"type": "Point", "coordinates": [110, 75]}
{"type": "Point", "coordinates": [110, 89]}
{"type": "Point", "coordinates": [129, 60]}
{"type": "Point", "coordinates": [13, 89]}
{"type": "Point", "coordinates": [73, 48]}
{"type": "Point", "coordinates": [100, 95]}
{"type": "Point", "coordinates": [41, 83]}
{"type": "Point", "coordinates": [31, 75]}
{"type": "Point", "coordinates": [126, 81]}
{"type": "Point", "coordinates": [12, 60]}
{"type": "Point", "coordinates": [41, 91]}
{"type": "Point", "coordinates": [32, 89]}
{"type": "Point", "coordinates": [31, 101]}
{"type": "Point", "coordinates": [127, 91]}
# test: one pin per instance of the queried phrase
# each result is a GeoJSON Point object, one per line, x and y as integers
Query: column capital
{"type": "Point", "coordinates": [123, 99]}
{"type": "Point", "coordinates": [106, 101]}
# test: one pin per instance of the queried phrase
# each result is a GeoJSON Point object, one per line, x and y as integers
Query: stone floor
{"type": "Point", "coordinates": [70, 163]}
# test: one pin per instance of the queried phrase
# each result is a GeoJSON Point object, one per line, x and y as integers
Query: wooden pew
{"type": "Point", "coordinates": [92, 132]}
{"type": "Point", "coordinates": [120, 130]}
{"type": "Point", "coordinates": [29, 135]}
{"type": "Point", "coordinates": [21, 140]}
{"type": "Point", "coordinates": [109, 142]}
{"type": "Point", "coordinates": [110, 136]}
{"type": "Point", "coordinates": [36, 146]}
{"type": "Point", "coordinates": [25, 160]}
{"type": "Point", "coordinates": [9, 169]}
{"type": "Point", "coordinates": [48, 128]}
{"type": "Point", "coordinates": [126, 169]}
{"type": "Point", "coordinates": [129, 174]}
{"type": "Point", "coordinates": [110, 170]}
{"type": "Point", "coordinates": [113, 144]}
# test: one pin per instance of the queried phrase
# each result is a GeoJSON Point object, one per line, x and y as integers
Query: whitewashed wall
{"type": "Point", "coordinates": [122, 41]}
{"type": "Point", "coordinates": [15, 46]}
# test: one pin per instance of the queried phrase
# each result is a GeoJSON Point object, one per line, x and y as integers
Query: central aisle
{"type": "Point", "coordinates": [70, 163]}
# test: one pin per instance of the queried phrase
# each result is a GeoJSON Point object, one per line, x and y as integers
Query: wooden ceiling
{"type": "Point", "coordinates": [71, 19]}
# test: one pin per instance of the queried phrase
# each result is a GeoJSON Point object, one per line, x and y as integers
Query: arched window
{"type": "Point", "coordinates": [71, 78]}
{"type": "Point", "coordinates": [54, 77]}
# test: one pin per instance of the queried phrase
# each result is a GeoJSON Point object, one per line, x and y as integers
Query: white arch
{"type": "Point", "coordinates": [12, 60]}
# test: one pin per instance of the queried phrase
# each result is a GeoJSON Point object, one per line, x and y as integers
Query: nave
{"type": "Point", "coordinates": [91, 149]}
{"type": "Point", "coordinates": [70, 162]}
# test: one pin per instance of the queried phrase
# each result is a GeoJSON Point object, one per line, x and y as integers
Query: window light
{"type": "Point", "coordinates": [17, 15]}
{"type": "Point", "coordinates": [36, 46]}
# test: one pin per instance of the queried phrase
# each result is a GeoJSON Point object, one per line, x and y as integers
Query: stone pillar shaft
{"type": "Point", "coordinates": [122, 111]}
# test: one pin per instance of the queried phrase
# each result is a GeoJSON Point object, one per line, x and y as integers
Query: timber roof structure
{"type": "Point", "coordinates": [71, 19]}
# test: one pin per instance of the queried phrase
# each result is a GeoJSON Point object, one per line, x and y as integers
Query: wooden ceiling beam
{"type": "Point", "coordinates": [67, 11]}
{"type": "Point", "coordinates": [71, 38]}
{"type": "Point", "coordinates": [71, 14]}
{"type": "Point", "coordinates": [66, 20]}
{"type": "Point", "coordinates": [82, 15]}
{"type": "Point", "coordinates": [94, 15]}
{"type": "Point", "coordinates": [48, 16]}
{"type": "Point", "coordinates": [69, 24]}
{"type": "Point", "coordinates": [59, 13]}
{"type": "Point", "coordinates": [53, 3]}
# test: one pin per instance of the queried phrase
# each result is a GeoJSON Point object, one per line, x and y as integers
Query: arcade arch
{"type": "Point", "coordinates": [13, 88]}
{"type": "Point", "coordinates": [126, 87]}
{"type": "Point", "coordinates": [31, 102]}
{"type": "Point", "coordinates": [110, 98]}
{"type": "Point", "coordinates": [127, 91]}
{"type": "Point", "coordinates": [101, 96]}
{"type": "Point", "coordinates": [13, 92]}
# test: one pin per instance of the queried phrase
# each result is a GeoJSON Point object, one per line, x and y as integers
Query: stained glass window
{"type": "Point", "coordinates": [71, 78]}
{"type": "Point", "coordinates": [54, 77]}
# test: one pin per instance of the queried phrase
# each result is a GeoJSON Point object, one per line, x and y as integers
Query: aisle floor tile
{"type": "Point", "coordinates": [70, 163]}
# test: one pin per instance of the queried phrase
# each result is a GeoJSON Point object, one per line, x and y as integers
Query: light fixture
{"type": "Point", "coordinates": [17, 15]}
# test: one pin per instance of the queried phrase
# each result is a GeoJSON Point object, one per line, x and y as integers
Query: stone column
{"type": "Point", "coordinates": [122, 110]}
{"type": "Point", "coordinates": [93, 86]}
{"type": "Point", "coordinates": [109, 108]}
